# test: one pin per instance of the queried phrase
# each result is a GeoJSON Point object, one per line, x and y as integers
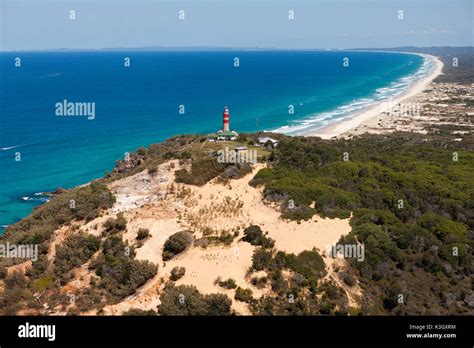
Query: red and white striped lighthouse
{"type": "Point", "coordinates": [225, 119]}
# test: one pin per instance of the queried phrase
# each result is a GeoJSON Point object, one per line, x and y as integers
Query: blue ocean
{"type": "Point", "coordinates": [287, 91]}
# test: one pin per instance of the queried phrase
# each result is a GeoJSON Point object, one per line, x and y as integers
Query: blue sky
{"type": "Point", "coordinates": [45, 24]}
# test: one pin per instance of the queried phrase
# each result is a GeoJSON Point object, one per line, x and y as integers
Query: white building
{"type": "Point", "coordinates": [264, 140]}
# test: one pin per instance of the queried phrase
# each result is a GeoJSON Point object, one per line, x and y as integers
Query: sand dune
{"type": "Point", "coordinates": [218, 207]}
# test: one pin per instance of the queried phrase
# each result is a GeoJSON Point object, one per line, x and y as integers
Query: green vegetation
{"type": "Point", "coordinates": [348, 279]}
{"type": "Point", "coordinates": [176, 244]}
{"type": "Point", "coordinates": [254, 235]}
{"type": "Point", "coordinates": [243, 295]}
{"type": "Point", "coordinates": [224, 238]}
{"type": "Point", "coordinates": [73, 252]}
{"type": "Point", "coordinates": [116, 225]}
{"type": "Point", "coordinates": [261, 259]}
{"type": "Point", "coordinates": [177, 273]}
{"type": "Point", "coordinates": [201, 172]}
{"type": "Point", "coordinates": [136, 312]}
{"type": "Point", "coordinates": [120, 275]}
{"type": "Point", "coordinates": [84, 203]}
{"type": "Point", "coordinates": [226, 284]}
{"type": "Point", "coordinates": [15, 294]}
{"type": "Point", "coordinates": [412, 208]}
{"type": "Point", "coordinates": [143, 233]}
{"type": "Point", "coordinates": [296, 294]}
{"type": "Point", "coordinates": [307, 263]}
{"type": "Point", "coordinates": [259, 282]}
{"type": "Point", "coordinates": [186, 300]}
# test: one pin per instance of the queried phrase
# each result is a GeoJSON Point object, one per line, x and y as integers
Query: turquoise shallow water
{"type": "Point", "coordinates": [139, 105]}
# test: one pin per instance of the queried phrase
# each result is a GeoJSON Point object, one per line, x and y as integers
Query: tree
{"type": "Point", "coordinates": [177, 273]}
{"type": "Point", "coordinates": [227, 284]}
{"type": "Point", "coordinates": [218, 304]}
{"type": "Point", "coordinates": [186, 300]}
{"type": "Point", "coordinates": [116, 225]}
{"type": "Point", "coordinates": [176, 244]}
{"type": "Point", "coordinates": [261, 259]}
{"type": "Point", "coordinates": [244, 295]}
{"type": "Point", "coordinates": [120, 274]}
{"type": "Point", "coordinates": [254, 235]}
{"type": "Point", "coordinates": [73, 252]}
{"type": "Point", "coordinates": [143, 233]}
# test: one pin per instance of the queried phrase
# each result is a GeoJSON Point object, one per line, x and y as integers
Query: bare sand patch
{"type": "Point", "coordinates": [215, 208]}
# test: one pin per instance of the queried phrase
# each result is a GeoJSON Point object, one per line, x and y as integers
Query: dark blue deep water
{"type": "Point", "coordinates": [139, 105]}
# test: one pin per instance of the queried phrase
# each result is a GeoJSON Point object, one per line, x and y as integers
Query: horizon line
{"type": "Point", "coordinates": [221, 48]}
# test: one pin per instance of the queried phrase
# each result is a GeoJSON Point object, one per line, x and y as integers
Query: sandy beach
{"type": "Point", "coordinates": [374, 113]}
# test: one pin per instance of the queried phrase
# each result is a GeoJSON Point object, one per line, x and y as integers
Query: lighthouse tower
{"type": "Point", "coordinates": [225, 119]}
{"type": "Point", "coordinates": [224, 134]}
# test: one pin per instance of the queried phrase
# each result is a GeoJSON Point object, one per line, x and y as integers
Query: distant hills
{"type": "Point", "coordinates": [462, 73]}
{"type": "Point", "coordinates": [428, 50]}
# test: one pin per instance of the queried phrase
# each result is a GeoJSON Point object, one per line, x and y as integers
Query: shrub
{"type": "Point", "coordinates": [73, 252]}
{"type": "Point", "coordinates": [136, 312]}
{"type": "Point", "coordinates": [89, 298]}
{"type": "Point", "coordinates": [279, 284]}
{"type": "Point", "coordinates": [348, 279]}
{"type": "Point", "coordinates": [326, 307]}
{"type": "Point", "coordinates": [243, 295]}
{"type": "Point", "coordinates": [225, 238]}
{"type": "Point", "coordinates": [254, 235]}
{"type": "Point", "coordinates": [307, 263]}
{"type": "Point", "coordinates": [177, 273]}
{"type": "Point", "coordinates": [43, 283]}
{"type": "Point", "coordinates": [14, 294]}
{"type": "Point", "coordinates": [259, 282]}
{"type": "Point", "coordinates": [176, 244]}
{"type": "Point", "coordinates": [116, 225]}
{"type": "Point", "coordinates": [443, 228]}
{"type": "Point", "coordinates": [186, 300]}
{"type": "Point", "coordinates": [261, 259]}
{"type": "Point", "coordinates": [218, 304]}
{"type": "Point", "coordinates": [201, 172]}
{"type": "Point", "coordinates": [186, 155]}
{"type": "Point", "coordinates": [152, 171]}
{"type": "Point", "coordinates": [143, 233]}
{"type": "Point", "coordinates": [227, 284]}
{"type": "Point", "coordinates": [120, 275]}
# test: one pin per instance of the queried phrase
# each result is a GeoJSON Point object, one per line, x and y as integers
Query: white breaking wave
{"type": "Point", "coordinates": [13, 147]}
{"type": "Point", "coordinates": [300, 127]}
{"type": "Point", "coordinates": [10, 147]}
{"type": "Point", "coordinates": [42, 199]}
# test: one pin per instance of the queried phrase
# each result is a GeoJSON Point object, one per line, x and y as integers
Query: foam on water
{"type": "Point", "coordinates": [317, 121]}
